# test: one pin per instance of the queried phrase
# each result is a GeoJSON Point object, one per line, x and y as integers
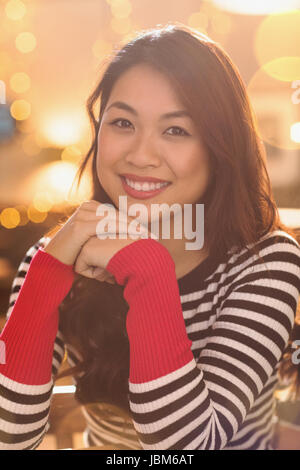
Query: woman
{"type": "Point", "coordinates": [183, 347]}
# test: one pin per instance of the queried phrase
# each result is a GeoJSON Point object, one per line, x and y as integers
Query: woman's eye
{"type": "Point", "coordinates": [116, 121]}
{"type": "Point", "coordinates": [179, 132]}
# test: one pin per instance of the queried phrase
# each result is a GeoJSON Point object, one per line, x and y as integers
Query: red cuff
{"type": "Point", "coordinates": [155, 325]}
{"type": "Point", "coordinates": [30, 331]}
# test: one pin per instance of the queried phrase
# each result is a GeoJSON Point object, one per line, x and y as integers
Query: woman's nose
{"type": "Point", "coordinates": [144, 153]}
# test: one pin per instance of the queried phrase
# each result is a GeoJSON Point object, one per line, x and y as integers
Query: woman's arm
{"type": "Point", "coordinates": [177, 403]}
{"type": "Point", "coordinates": [34, 348]}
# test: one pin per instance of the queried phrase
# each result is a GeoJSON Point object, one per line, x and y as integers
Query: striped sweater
{"type": "Point", "coordinates": [204, 349]}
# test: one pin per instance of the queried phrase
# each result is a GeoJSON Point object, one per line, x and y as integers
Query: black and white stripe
{"type": "Point", "coordinates": [239, 320]}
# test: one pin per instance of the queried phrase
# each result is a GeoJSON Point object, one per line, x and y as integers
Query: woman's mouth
{"type": "Point", "coordinates": [142, 190]}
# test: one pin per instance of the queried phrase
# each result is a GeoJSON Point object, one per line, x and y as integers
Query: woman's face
{"type": "Point", "coordinates": [136, 138]}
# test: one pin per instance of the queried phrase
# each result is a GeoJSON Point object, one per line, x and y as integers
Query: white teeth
{"type": "Point", "coordinates": [144, 186]}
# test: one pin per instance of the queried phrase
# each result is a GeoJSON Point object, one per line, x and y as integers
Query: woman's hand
{"type": "Point", "coordinates": [66, 244]}
{"type": "Point", "coordinates": [95, 256]}
{"type": "Point", "coordinates": [77, 241]}
{"type": "Point", "coordinates": [96, 252]}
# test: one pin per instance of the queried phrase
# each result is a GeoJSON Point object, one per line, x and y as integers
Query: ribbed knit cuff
{"type": "Point", "coordinates": [155, 325]}
{"type": "Point", "coordinates": [30, 331]}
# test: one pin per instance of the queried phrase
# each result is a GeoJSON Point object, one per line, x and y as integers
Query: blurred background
{"type": "Point", "coordinates": [51, 54]}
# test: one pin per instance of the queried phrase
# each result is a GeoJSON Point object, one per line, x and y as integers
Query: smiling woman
{"type": "Point", "coordinates": [186, 348]}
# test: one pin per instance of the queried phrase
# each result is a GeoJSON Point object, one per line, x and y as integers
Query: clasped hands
{"type": "Point", "coordinates": [83, 242]}
{"type": "Point", "coordinates": [98, 250]}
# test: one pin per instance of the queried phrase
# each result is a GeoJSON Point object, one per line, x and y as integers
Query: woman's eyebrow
{"type": "Point", "coordinates": [126, 107]}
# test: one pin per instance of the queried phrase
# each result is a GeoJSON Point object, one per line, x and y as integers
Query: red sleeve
{"type": "Point", "coordinates": [155, 325]}
{"type": "Point", "coordinates": [30, 331]}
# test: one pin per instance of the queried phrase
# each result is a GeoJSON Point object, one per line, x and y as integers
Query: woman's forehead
{"type": "Point", "coordinates": [144, 85]}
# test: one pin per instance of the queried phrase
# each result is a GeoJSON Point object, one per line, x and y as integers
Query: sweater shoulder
{"type": "Point", "coordinates": [22, 271]}
{"type": "Point", "coordinates": [277, 241]}
{"type": "Point", "coordinates": [276, 255]}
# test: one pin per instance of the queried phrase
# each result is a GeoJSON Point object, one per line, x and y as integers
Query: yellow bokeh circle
{"type": "Point", "coordinates": [23, 214]}
{"type": "Point", "coordinates": [25, 42]}
{"type": "Point", "coordinates": [15, 10]}
{"type": "Point", "coordinates": [20, 82]}
{"type": "Point", "coordinates": [278, 36]}
{"type": "Point", "coordinates": [10, 217]}
{"type": "Point", "coordinates": [20, 109]}
{"type": "Point", "coordinates": [35, 215]}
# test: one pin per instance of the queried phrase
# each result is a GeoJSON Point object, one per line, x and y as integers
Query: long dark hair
{"type": "Point", "coordinates": [239, 206]}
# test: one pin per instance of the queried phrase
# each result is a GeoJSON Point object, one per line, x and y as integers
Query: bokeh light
{"type": "Point", "coordinates": [35, 215]}
{"type": "Point", "coordinates": [22, 210]}
{"type": "Point", "coordinates": [120, 8]}
{"type": "Point", "coordinates": [43, 201]}
{"type": "Point", "coordinates": [55, 184]}
{"type": "Point", "coordinates": [285, 68]}
{"type": "Point", "coordinates": [63, 130]}
{"type": "Point", "coordinates": [15, 10]}
{"type": "Point", "coordinates": [256, 7]}
{"type": "Point", "coordinates": [72, 154]}
{"type": "Point", "coordinates": [20, 82]}
{"type": "Point", "coordinates": [278, 37]}
{"type": "Point", "coordinates": [20, 109]}
{"type": "Point", "coordinates": [10, 217]}
{"type": "Point", "coordinates": [25, 42]}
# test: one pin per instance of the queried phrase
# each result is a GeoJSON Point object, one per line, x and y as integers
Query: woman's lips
{"type": "Point", "coordinates": [141, 194]}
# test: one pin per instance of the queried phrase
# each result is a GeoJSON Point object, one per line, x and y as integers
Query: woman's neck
{"type": "Point", "coordinates": [185, 260]}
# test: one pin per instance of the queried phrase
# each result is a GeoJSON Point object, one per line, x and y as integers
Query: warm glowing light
{"type": "Point", "coordinates": [35, 215]}
{"type": "Point", "coordinates": [63, 130]}
{"type": "Point", "coordinates": [10, 217]}
{"type": "Point", "coordinates": [256, 7]}
{"type": "Point", "coordinates": [43, 201]}
{"type": "Point", "coordinates": [278, 36]}
{"type": "Point", "coordinates": [20, 82]}
{"type": "Point", "coordinates": [101, 48]}
{"type": "Point", "coordinates": [198, 20]}
{"type": "Point", "coordinates": [25, 42]}
{"type": "Point", "coordinates": [15, 10]}
{"type": "Point", "coordinates": [20, 110]}
{"type": "Point", "coordinates": [23, 214]}
{"type": "Point", "coordinates": [295, 132]}
{"type": "Point", "coordinates": [72, 154]}
{"type": "Point", "coordinates": [121, 25]}
{"type": "Point", "coordinates": [56, 184]}
{"type": "Point", "coordinates": [120, 8]}
{"type": "Point", "coordinates": [286, 69]}
{"type": "Point", "coordinates": [290, 217]}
